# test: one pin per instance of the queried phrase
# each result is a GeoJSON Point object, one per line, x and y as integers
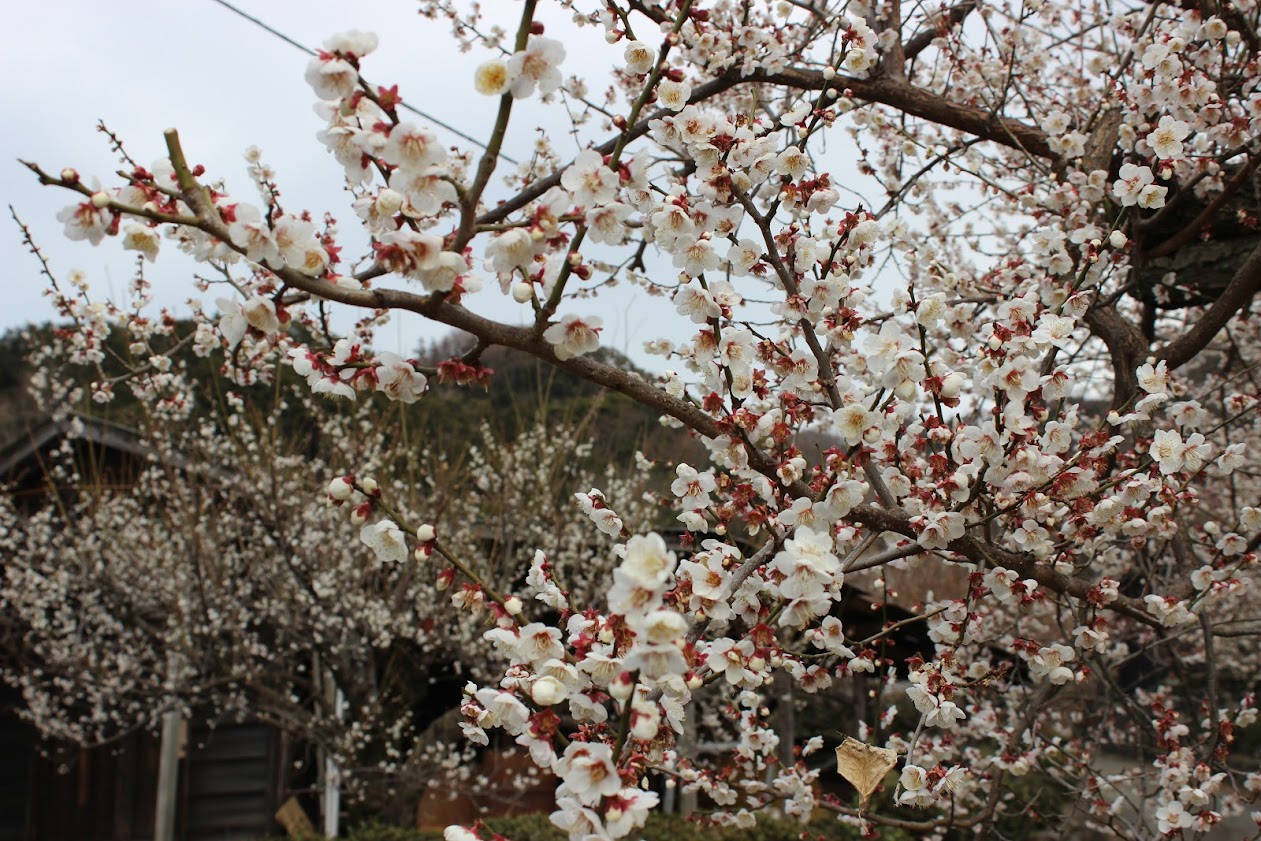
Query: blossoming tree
{"type": "Point", "coordinates": [211, 583]}
{"type": "Point", "coordinates": [1012, 393]}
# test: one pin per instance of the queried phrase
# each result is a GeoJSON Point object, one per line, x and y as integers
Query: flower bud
{"type": "Point", "coordinates": [100, 199]}
{"type": "Point", "coordinates": [426, 533]}
{"type": "Point", "coordinates": [445, 578]}
{"type": "Point", "coordinates": [547, 690]}
{"type": "Point", "coordinates": [951, 385]}
{"type": "Point", "coordinates": [522, 292]}
{"type": "Point", "coordinates": [421, 554]}
{"type": "Point", "coordinates": [390, 201]}
{"type": "Point", "coordinates": [513, 605]}
{"type": "Point", "coordinates": [69, 175]}
{"type": "Point", "coordinates": [340, 489]}
{"type": "Point", "coordinates": [1117, 239]}
{"type": "Point", "coordinates": [370, 486]}
{"type": "Point", "coordinates": [621, 686]}
{"type": "Point", "coordinates": [360, 514]}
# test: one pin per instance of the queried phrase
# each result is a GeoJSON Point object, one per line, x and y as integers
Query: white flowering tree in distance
{"type": "Point", "coordinates": [1019, 384]}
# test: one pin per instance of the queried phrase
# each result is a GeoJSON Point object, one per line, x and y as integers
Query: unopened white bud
{"type": "Point", "coordinates": [100, 199]}
{"type": "Point", "coordinates": [951, 385]}
{"type": "Point", "coordinates": [339, 489]}
{"type": "Point", "coordinates": [522, 292]}
{"type": "Point", "coordinates": [829, 72]}
{"type": "Point", "coordinates": [547, 690]}
{"type": "Point", "coordinates": [421, 554]}
{"type": "Point", "coordinates": [621, 686]}
{"type": "Point", "coordinates": [426, 533]}
{"type": "Point", "coordinates": [513, 605]}
{"type": "Point", "coordinates": [389, 202]}
{"type": "Point", "coordinates": [369, 486]}
{"type": "Point", "coordinates": [1117, 239]}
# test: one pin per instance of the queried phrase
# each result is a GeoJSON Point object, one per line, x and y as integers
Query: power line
{"type": "Point", "coordinates": [291, 42]}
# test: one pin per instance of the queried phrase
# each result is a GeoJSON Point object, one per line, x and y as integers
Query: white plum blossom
{"type": "Point", "coordinates": [592, 183]}
{"type": "Point", "coordinates": [331, 76]}
{"type": "Point", "coordinates": [86, 221]}
{"type": "Point", "coordinates": [639, 57]}
{"type": "Point", "coordinates": [692, 488]}
{"type": "Point", "coordinates": [537, 66]}
{"type": "Point", "coordinates": [673, 95]}
{"type": "Point", "coordinates": [141, 238]}
{"type": "Point", "coordinates": [386, 539]}
{"type": "Point", "coordinates": [412, 148]}
{"type": "Point", "coordinates": [298, 245]}
{"type": "Point", "coordinates": [588, 772]}
{"type": "Point", "coordinates": [493, 78]}
{"type": "Point", "coordinates": [1134, 179]}
{"type": "Point", "coordinates": [513, 249]}
{"type": "Point", "coordinates": [237, 317]}
{"type": "Point", "coordinates": [398, 379]}
{"type": "Point", "coordinates": [1166, 139]}
{"type": "Point", "coordinates": [937, 530]}
{"type": "Point", "coordinates": [574, 335]}
{"type": "Point", "coordinates": [593, 504]}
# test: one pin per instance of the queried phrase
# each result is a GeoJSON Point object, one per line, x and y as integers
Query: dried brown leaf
{"type": "Point", "coordinates": [864, 766]}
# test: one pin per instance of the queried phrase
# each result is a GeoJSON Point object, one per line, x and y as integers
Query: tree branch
{"type": "Point", "coordinates": [1237, 295]}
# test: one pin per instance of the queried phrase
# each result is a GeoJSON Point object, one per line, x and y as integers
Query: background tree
{"type": "Point", "coordinates": [215, 580]}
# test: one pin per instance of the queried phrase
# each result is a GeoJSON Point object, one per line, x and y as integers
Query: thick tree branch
{"type": "Point", "coordinates": [937, 27]}
{"type": "Point", "coordinates": [926, 105]}
{"type": "Point", "coordinates": [914, 101]}
{"type": "Point", "coordinates": [1237, 295]}
{"type": "Point", "coordinates": [1126, 346]}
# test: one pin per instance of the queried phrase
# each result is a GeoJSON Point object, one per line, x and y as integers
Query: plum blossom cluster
{"type": "Point", "coordinates": [958, 373]}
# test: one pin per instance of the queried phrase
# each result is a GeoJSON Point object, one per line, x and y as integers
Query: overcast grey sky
{"type": "Point", "coordinates": [145, 65]}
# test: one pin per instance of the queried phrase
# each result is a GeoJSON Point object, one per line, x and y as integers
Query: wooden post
{"type": "Point", "coordinates": [333, 774]}
{"type": "Point", "coordinates": [168, 775]}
